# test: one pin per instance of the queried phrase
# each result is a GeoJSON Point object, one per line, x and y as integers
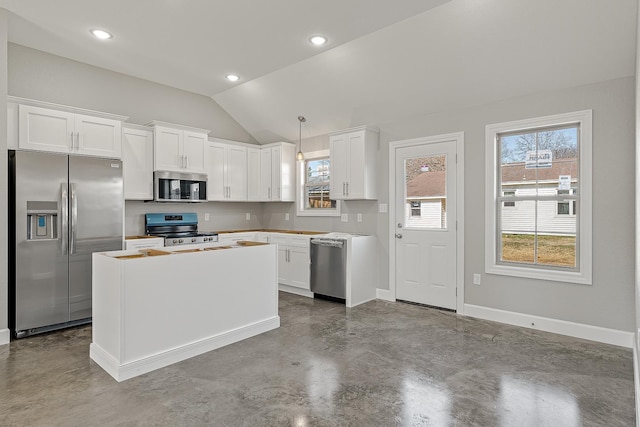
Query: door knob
{"type": "Point", "coordinates": [398, 236]}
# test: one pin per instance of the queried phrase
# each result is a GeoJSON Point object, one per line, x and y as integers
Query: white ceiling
{"type": "Point", "coordinates": [385, 59]}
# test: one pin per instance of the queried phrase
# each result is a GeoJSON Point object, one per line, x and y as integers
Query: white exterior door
{"type": "Point", "coordinates": [425, 223]}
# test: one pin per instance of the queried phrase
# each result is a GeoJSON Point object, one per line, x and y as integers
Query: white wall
{"type": "Point", "coordinates": [4, 333]}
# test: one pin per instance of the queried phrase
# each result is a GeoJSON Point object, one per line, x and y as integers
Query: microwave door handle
{"type": "Point", "coordinates": [74, 218]}
{"type": "Point", "coordinates": [64, 220]}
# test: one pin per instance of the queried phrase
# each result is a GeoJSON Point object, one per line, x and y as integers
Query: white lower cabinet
{"type": "Point", "coordinates": [143, 242]}
{"type": "Point", "coordinates": [293, 259]}
{"type": "Point", "coordinates": [231, 238]}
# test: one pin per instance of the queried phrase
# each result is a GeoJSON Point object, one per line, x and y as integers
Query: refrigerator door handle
{"type": "Point", "coordinates": [64, 213]}
{"type": "Point", "coordinates": [74, 218]}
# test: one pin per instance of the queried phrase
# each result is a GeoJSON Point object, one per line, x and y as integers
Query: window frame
{"type": "Point", "coordinates": [583, 273]}
{"type": "Point", "coordinates": [301, 209]}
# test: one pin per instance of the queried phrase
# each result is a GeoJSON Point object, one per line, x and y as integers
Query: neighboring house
{"type": "Point", "coordinates": [554, 217]}
{"type": "Point", "coordinates": [426, 204]}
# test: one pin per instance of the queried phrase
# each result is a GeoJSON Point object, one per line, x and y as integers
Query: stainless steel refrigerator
{"type": "Point", "coordinates": [62, 208]}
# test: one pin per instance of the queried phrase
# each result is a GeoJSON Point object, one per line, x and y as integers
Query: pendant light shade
{"type": "Point", "coordinates": [300, 156]}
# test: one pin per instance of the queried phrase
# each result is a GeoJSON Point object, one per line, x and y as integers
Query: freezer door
{"type": "Point", "coordinates": [41, 267]}
{"type": "Point", "coordinates": [96, 207]}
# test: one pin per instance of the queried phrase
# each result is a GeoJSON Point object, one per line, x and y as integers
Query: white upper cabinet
{"type": "Point", "coordinates": [179, 148]}
{"type": "Point", "coordinates": [137, 162]}
{"type": "Point", "coordinates": [353, 154]}
{"type": "Point", "coordinates": [277, 173]}
{"type": "Point", "coordinates": [253, 174]}
{"type": "Point", "coordinates": [69, 131]}
{"type": "Point", "coordinates": [227, 172]}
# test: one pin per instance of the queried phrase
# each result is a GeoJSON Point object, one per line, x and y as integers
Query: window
{"type": "Point", "coordinates": [415, 209]}
{"type": "Point", "coordinates": [543, 165]}
{"type": "Point", "coordinates": [566, 207]}
{"type": "Point", "coordinates": [313, 191]}
{"type": "Point", "coordinates": [506, 203]}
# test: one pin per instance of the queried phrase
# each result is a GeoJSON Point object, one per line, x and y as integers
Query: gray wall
{"type": "Point", "coordinates": [3, 171]}
{"type": "Point", "coordinates": [609, 302]}
{"type": "Point", "coordinates": [46, 77]}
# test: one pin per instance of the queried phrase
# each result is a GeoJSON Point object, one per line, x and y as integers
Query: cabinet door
{"type": "Point", "coordinates": [266, 191]}
{"type": "Point", "coordinates": [137, 164]}
{"type": "Point", "coordinates": [96, 136]}
{"type": "Point", "coordinates": [168, 149]}
{"type": "Point", "coordinates": [355, 166]}
{"type": "Point", "coordinates": [283, 264]}
{"type": "Point", "coordinates": [216, 185]}
{"type": "Point", "coordinates": [287, 173]}
{"type": "Point", "coordinates": [339, 151]}
{"type": "Point", "coordinates": [45, 130]}
{"type": "Point", "coordinates": [299, 267]}
{"type": "Point", "coordinates": [236, 171]}
{"type": "Point", "coordinates": [253, 174]}
{"type": "Point", "coordinates": [194, 144]}
{"type": "Point", "coordinates": [276, 170]}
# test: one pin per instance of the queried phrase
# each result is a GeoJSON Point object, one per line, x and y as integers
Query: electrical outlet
{"type": "Point", "coordinates": [476, 279]}
{"type": "Point", "coordinates": [206, 216]}
{"type": "Point", "coordinates": [382, 208]}
{"type": "Point", "coordinates": [359, 217]}
{"type": "Point", "coordinates": [248, 216]}
{"type": "Point", "coordinates": [286, 217]}
{"type": "Point", "coordinates": [344, 217]}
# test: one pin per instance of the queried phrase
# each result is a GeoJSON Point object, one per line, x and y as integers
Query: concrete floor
{"type": "Point", "coordinates": [380, 364]}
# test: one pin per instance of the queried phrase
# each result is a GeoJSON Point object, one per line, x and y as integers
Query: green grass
{"type": "Point", "coordinates": [552, 250]}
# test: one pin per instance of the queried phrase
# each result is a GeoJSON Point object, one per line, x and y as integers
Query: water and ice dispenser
{"type": "Point", "coordinates": [42, 220]}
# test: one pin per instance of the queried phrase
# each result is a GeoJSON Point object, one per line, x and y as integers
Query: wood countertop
{"type": "Point", "coordinates": [267, 230]}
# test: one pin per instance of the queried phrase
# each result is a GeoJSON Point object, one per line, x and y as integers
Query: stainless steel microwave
{"type": "Point", "coordinates": [179, 187]}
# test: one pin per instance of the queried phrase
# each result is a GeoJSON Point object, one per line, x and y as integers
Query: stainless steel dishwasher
{"type": "Point", "coordinates": [329, 267]}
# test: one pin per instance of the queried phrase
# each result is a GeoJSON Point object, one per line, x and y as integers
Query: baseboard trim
{"type": "Point", "coordinates": [384, 294]}
{"type": "Point", "coordinates": [562, 327]}
{"type": "Point", "coordinates": [124, 371]}
{"type": "Point", "coordinates": [636, 378]}
{"type": "Point", "coordinates": [294, 290]}
{"type": "Point", "coordinates": [5, 336]}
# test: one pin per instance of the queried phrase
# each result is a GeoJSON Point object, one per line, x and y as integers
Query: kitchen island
{"type": "Point", "coordinates": [152, 308]}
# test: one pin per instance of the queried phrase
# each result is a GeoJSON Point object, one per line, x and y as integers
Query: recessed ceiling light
{"type": "Point", "coordinates": [232, 77]}
{"type": "Point", "coordinates": [101, 34]}
{"type": "Point", "coordinates": [318, 40]}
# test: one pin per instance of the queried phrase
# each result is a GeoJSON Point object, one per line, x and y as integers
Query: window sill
{"type": "Point", "coordinates": [579, 277]}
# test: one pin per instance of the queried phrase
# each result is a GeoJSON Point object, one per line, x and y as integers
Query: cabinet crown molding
{"type": "Point", "coordinates": [67, 108]}
{"type": "Point", "coordinates": [355, 129]}
{"type": "Point", "coordinates": [176, 126]}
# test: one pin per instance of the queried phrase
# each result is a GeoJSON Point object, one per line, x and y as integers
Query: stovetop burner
{"type": "Point", "coordinates": [177, 229]}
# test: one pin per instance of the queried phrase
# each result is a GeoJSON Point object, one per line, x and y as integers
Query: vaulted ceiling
{"type": "Point", "coordinates": [385, 60]}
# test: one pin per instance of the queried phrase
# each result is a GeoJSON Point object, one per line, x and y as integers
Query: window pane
{"type": "Point", "coordinates": [535, 165]}
{"type": "Point", "coordinates": [535, 161]}
{"type": "Point", "coordinates": [425, 192]}
{"type": "Point", "coordinates": [316, 187]}
{"type": "Point", "coordinates": [556, 241]}
{"type": "Point", "coordinates": [518, 233]}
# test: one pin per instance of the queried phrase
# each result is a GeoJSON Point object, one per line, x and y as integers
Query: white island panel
{"type": "Point", "coordinates": [153, 311]}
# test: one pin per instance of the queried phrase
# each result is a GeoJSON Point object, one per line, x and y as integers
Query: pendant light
{"type": "Point", "coordinates": [300, 156]}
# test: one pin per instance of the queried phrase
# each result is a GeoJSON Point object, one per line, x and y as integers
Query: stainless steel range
{"type": "Point", "coordinates": [177, 228]}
